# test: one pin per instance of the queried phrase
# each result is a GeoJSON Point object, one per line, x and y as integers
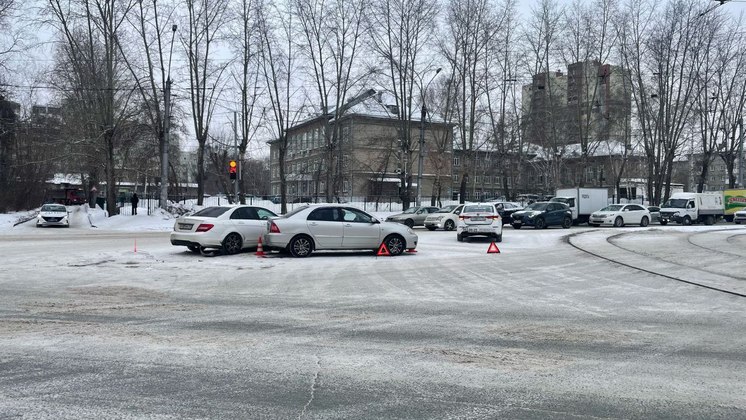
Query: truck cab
{"type": "Point", "coordinates": [688, 208]}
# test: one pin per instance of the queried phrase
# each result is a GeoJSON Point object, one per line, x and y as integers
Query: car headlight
{"type": "Point", "coordinates": [531, 215]}
{"type": "Point", "coordinates": [410, 231]}
{"type": "Point", "coordinates": [438, 218]}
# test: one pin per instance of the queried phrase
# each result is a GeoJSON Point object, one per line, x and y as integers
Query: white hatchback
{"type": "Point", "coordinates": [479, 219]}
{"type": "Point", "coordinates": [446, 218]}
{"type": "Point", "coordinates": [53, 215]}
{"type": "Point", "coordinates": [227, 228]}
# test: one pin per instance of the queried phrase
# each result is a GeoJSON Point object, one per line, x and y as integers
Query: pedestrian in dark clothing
{"type": "Point", "coordinates": [134, 200]}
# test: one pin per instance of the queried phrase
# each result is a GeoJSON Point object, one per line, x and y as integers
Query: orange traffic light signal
{"type": "Point", "coordinates": [232, 169]}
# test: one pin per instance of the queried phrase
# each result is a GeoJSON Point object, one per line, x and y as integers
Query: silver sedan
{"type": "Point", "coordinates": [335, 227]}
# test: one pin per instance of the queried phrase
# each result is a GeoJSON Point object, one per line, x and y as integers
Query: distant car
{"type": "Point", "coordinates": [479, 219]}
{"type": "Point", "coordinates": [413, 216]}
{"type": "Point", "coordinates": [53, 215]}
{"type": "Point", "coordinates": [317, 227]}
{"type": "Point", "coordinates": [739, 217]}
{"type": "Point", "coordinates": [619, 215]}
{"type": "Point", "coordinates": [655, 214]}
{"type": "Point", "coordinates": [227, 228]}
{"type": "Point", "coordinates": [276, 199]}
{"type": "Point", "coordinates": [506, 210]}
{"type": "Point", "coordinates": [543, 214]}
{"type": "Point", "coordinates": [445, 218]}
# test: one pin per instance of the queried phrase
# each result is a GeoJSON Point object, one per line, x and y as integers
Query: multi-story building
{"type": "Point", "coordinates": [366, 162]}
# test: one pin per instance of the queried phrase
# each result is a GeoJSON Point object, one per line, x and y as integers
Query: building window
{"type": "Point", "coordinates": [456, 161]}
{"type": "Point", "coordinates": [455, 177]}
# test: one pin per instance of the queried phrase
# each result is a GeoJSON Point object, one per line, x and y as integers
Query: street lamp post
{"type": "Point", "coordinates": [740, 153]}
{"type": "Point", "coordinates": [166, 127]}
{"type": "Point", "coordinates": [421, 157]}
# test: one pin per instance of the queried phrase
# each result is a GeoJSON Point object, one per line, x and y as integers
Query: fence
{"type": "Point", "coordinates": [149, 203]}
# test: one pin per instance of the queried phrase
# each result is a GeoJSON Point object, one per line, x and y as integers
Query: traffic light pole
{"type": "Point", "coordinates": [238, 161]}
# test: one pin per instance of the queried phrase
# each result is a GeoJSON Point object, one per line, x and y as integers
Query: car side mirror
{"type": "Point", "coordinates": [375, 221]}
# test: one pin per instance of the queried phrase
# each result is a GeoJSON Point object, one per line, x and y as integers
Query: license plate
{"type": "Point", "coordinates": [472, 230]}
{"type": "Point", "coordinates": [517, 222]}
{"type": "Point", "coordinates": [477, 218]}
{"type": "Point", "coordinates": [185, 226]}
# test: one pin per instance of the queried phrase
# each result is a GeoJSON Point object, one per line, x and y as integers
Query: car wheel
{"type": "Point", "coordinates": [499, 238]}
{"type": "Point", "coordinates": [566, 223]}
{"type": "Point", "coordinates": [395, 244]}
{"type": "Point", "coordinates": [232, 244]}
{"type": "Point", "coordinates": [449, 225]}
{"type": "Point", "coordinates": [618, 222]}
{"type": "Point", "coordinates": [644, 222]}
{"type": "Point", "coordinates": [431, 228]}
{"type": "Point", "coordinates": [540, 224]}
{"type": "Point", "coordinates": [663, 222]}
{"type": "Point", "coordinates": [687, 221]}
{"type": "Point", "coordinates": [194, 248]}
{"type": "Point", "coordinates": [409, 223]}
{"type": "Point", "coordinates": [516, 226]}
{"type": "Point", "coordinates": [710, 220]}
{"type": "Point", "coordinates": [300, 246]}
{"type": "Point", "coordinates": [459, 237]}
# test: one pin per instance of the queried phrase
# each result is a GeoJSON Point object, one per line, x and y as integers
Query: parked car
{"type": "Point", "coordinates": [317, 227]}
{"type": "Point", "coordinates": [543, 214]}
{"type": "Point", "coordinates": [479, 219]}
{"type": "Point", "coordinates": [413, 216]}
{"type": "Point", "coordinates": [53, 215]}
{"type": "Point", "coordinates": [506, 210]}
{"type": "Point", "coordinates": [445, 218]}
{"type": "Point", "coordinates": [655, 214]}
{"type": "Point", "coordinates": [227, 228]}
{"type": "Point", "coordinates": [619, 215]}
{"type": "Point", "coordinates": [739, 217]}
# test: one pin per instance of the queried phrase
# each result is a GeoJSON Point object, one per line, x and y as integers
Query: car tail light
{"type": "Point", "coordinates": [204, 227]}
{"type": "Point", "coordinates": [273, 228]}
{"type": "Point", "coordinates": [462, 217]}
{"type": "Point", "coordinates": [495, 217]}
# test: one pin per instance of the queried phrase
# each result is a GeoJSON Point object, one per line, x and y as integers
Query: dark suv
{"type": "Point", "coordinates": [543, 214]}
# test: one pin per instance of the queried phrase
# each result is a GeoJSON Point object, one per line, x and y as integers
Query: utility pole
{"type": "Point", "coordinates": [238, 161]}
{"type": "Point", "coordinates": [740, 153]}
{"type": "Point", "coordinates": [163, 202]}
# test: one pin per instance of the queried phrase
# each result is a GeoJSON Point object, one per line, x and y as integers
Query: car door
{"type": "Point", "coordinates": [360, 230]}
{"type": "Point", "coordinates": [635, 214]}
{"type": "Point", "coordinates": [555, 214]}
{"type": "Point", "coordinates": [326, 227]}
{"type": "Point", "coordinates": [244, 220]}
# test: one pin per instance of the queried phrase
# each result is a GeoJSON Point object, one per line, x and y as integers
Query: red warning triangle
{"type": "Point", "coordinates": [383, 251]}
{"type": "Point", "coordinates": [493, 249]}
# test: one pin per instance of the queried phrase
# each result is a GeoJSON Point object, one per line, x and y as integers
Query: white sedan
{"type": "Point", "coordinates": [619, 215]}
{"type": "Point", "coordinates": [446, 218]}
{"type": "Point", "coordinates": [53, 215]}
{"type": "Point", "coordinates": [318, 227]}
{"type": "Point", "coordinates": [228, 228]}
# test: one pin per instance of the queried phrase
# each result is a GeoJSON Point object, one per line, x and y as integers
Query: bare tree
{"type": "Point", "coordinates": [89, 29]}
{"type": "Point", "coordinates": [277, 66]}
{"type": "Point", "coordinates": [473, 32]}
{"type": "Point", "coordinates": [246, 43]}
{"type": "Point", "coordinates": [544, 122]}
{"type": "Point", "coordinates": [332, 33]}
{"type": "Point", "coordinates": [206, 19]}
{"type": "Point", "coordinates": [400, 31]}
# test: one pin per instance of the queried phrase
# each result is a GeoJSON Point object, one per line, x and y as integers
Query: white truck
{"type": "Point", "coordinates": [688, 207]}
{"type": "Point", "coordinates": [582, 201]}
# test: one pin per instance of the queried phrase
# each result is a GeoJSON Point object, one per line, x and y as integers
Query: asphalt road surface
{"type": "Point", "coordinates": [650, 324]}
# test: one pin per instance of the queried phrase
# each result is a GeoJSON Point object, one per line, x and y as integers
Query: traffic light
{"type": "Point", "coordinates": [232, 169]}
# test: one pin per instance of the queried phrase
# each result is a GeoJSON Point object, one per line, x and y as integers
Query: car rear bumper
{"type": "Point", "coordinates": [194, 239]}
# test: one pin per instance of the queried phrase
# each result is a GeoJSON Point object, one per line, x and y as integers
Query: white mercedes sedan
{"type": "Point", "coordinates": [226, 228]}
{"type": "Point", "coordinates": [317, 227]}
{"type": "Point", "coordinates": [619, 215]}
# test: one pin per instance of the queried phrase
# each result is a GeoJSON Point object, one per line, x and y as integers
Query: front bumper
{"type": "Point", "coordinates": [739, 218]}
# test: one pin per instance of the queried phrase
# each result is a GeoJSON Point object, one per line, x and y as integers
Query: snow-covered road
{"type": "Point", "coordinates": [90, 328]}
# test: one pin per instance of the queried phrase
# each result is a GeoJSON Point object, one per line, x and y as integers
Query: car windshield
{"type": "Point", "coordinates": [478, 209]}
{"type": "Point", "coordinates": [676, 203]}
{"type": "Point", "coordinates": [447, 209]}
{"type": "Point", "coordinates": [537, 207]}
{"type": "Point", "coordinates": [211, 211]}
{"type": "Point", "coordinates": [53, 207]}
{"type": "Point", "coordinates": [410, 210]}
{"type": "Point", "coordinates": [614, 207]}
